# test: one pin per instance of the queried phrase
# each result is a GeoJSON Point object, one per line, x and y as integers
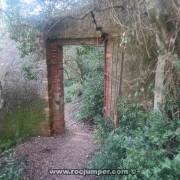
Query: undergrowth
{"type": "Point", "coordinates": [72, 92]}
{"type": "Point", "coordinates": [145, 141]}
{"type": "Point", "coordinates": [92, 96]}
{"type": "Point", "coordinates": [11, 167]}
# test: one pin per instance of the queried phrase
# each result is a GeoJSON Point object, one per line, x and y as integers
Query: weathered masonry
{"type": "Point", "coordinates": [89, 30]}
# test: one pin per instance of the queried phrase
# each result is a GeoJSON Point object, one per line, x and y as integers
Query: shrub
{"type": "Point", "coordinates": [21, 123]}
{"type": "Point", "coordinates": [29, 72]}
{"type": "Point", "coordinates": [147, 142]}
{"type": "Point", "coordinates": [92, 97]}
{"type": "Point", "coordinates": [103, 128]}
{"type": "Point", "coordinates": [11, 167]}
{"type": "Point", "coordinates": [72, 92]}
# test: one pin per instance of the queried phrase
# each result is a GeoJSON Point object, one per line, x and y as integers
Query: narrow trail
{"type": "Point", "coordinates": [69, 151]}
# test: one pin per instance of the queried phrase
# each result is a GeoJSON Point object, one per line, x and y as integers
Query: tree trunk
{"type": "Point", "coordinates": [1, 98]}
{"type": "Point", "coordinates": [162, 39]}
{"type": "Point", "coordinates": [159, 83]}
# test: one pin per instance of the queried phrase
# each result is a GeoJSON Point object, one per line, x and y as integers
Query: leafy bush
{"type": "Point", "coordinates": [11, 167]}
{"type": "Point", "coordinates": [80, 64]}
{"type": "Point", "coordinates": [80, 61]}
{"type": "Point", "coordinates": [29, 72]}
{"type": "Point", "coordinates": [103, 128]}
{"type": "Point", "coordinates": [147, 142]}
{"type": "Point", "coordinates": [72, 92]}
{"type": "Point", "coordinates": [21, 123]}
{"type": "Point", "coordinates": [92, 97]}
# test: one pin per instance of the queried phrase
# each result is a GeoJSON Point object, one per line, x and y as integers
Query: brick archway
{"type": "Point", "coordinates": [54, 49]}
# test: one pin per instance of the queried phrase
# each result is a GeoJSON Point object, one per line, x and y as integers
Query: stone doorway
{"type": "Point", "coordinates": [55, 79]}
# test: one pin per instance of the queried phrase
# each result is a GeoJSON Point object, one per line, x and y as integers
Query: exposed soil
{"type": "Point", "coordinates": [69, 151]}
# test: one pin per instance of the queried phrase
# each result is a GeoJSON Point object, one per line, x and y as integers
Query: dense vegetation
{"type": "Point", "coordinates": [146, 142]}
{"type": "Point", "coordinates": [11, 167]}
{"type": "Point", "coordinates": [84, 78]}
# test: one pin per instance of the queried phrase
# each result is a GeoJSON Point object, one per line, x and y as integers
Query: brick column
{"type": "Point", "coordinates": [55, 87]}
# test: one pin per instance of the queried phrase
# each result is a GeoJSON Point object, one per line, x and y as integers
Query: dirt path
{"type": "Point", "coordinates": [69, 151]}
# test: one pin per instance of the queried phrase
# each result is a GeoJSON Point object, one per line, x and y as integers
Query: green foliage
{"type": "Point", "coordinates": [21, 29]}
{"type": "Point", "coordinates": [72, 92]}
{"type": "Point", "coordinates": [80, 61]}
{"type": "Point", "coordinates": [147, 142]}
{"type": "Point", "coordinates": [26, 21]}
{"type": "Point", "coordinates": [177, 65]}
{"type": "Point", "coordinates": [103, 128]}
{"type": "Point", "coordinates": [21, 123]}
{"type": "Point", "coordinates": [84, 76]}
{"type": "Point", "coordinates": [11, 168]}
{"type": "Point", "coordinates": [29, 72]}
{"type": "Point", "coordinates": [92, 97]}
